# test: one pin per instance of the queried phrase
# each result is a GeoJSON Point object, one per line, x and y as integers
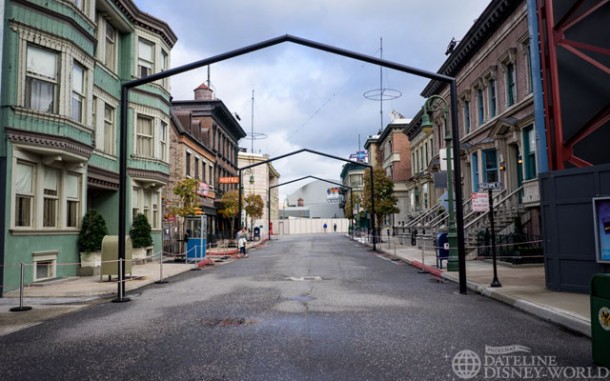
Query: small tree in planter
{"type": "Point", "coordinates": [141, 238]}
{"type": "Point", "coordinates": [92, 232]}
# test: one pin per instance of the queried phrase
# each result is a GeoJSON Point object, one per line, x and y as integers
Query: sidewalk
{"type": "Point", "coordinates": [523, 286]}
{"type": "Point", "coordinates": [67, 295]}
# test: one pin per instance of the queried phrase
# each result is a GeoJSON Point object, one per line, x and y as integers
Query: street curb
{"type": "Point", "coordinates": [552, 315]}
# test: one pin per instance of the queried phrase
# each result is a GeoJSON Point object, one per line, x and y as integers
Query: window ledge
{"type": "Point", "coordinates": [38, 232]}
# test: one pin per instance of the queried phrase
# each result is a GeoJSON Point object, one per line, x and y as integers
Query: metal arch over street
{"type": "Point", "coordinates": [262, 45]}
{"type": "Point", "coordinates": [294, 181]}
{"type": "Point", "coordinates": [370, 167]}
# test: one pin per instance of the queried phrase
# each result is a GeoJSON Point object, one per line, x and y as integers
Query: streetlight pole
{"type": "Point", "coordinates": [431, 106]}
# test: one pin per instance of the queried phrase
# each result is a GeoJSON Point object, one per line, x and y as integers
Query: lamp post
{"type": "Point", "coordinates": [431, 106]}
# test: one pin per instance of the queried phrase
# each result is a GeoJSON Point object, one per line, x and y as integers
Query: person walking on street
{"type": "Point", "coordinates": [335, 228]}
{"type": "Point", "coordinates": [325, 226]}
{"type": "Point", "coordinates": [242, 246]}
{"type": "Point", "coordinates": [241, 242]}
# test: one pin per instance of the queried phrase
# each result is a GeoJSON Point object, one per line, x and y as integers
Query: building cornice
{"type": "Point", "coordinates": [488, 23]}
{"type": "Point", "coordinates": [50, 142]}
{"type": "Point", "coordinates": [148, 176]}
{"type": "Point", "coordinates": [102, 178]}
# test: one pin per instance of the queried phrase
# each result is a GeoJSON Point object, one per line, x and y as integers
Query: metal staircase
{"type": "Point", "coordinates": [507, 207]}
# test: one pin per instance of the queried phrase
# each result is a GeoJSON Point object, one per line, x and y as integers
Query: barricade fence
{"type": "Point", "coordinates": [52, 278]}
{"type": "Point", "coordinates": [510, 248]}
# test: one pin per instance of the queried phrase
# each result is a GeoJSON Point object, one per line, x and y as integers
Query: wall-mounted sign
{"type": "Point", "coordinates": [229, 180]}
{"type": "Point", "coordinates": [203, 189]}
{"type": "Point", "coordinates": [493, 186]}
{"type": "Point", "coordinates": [480, 202]}
{"type": "Point", "coordinates": [601, 223]}
{"type": "Point", "coordinates": [333, 195]}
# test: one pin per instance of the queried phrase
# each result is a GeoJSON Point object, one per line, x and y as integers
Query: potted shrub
{"type": "Point", "coordinates": [92, 232]}
{"type": "Point", "coordinates": [141, 237]}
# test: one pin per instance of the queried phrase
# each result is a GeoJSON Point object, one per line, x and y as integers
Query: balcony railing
{"type": "Point", "coordinates": [531, 193]}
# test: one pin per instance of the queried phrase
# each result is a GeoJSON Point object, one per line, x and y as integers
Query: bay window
{"type": "Point", "coordinates": [41, 79]}
{"type": "Point", "coordinates": [44, 197]}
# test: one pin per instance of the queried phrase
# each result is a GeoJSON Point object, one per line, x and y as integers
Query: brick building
{"type": "Point", "coordinates": [205, 138]}
{"type": "Point", "coordinates": [391, 151]}
{"type": "Point", "coordinates": [493, 71]}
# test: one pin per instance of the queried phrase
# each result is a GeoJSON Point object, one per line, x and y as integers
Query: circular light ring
{"type": "Point", "coordinates": [256, 136]}
{"type": "Point", "coordinates": [382, 94]}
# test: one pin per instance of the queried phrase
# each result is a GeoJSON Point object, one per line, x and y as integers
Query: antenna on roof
{"type": "Point", "coordinates": [381, 94]}
{"type": "Point", "coordinates": [254, 135]}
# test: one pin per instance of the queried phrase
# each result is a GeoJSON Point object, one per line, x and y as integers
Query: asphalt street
{"type": "Point", "coordinates": [319, 307]}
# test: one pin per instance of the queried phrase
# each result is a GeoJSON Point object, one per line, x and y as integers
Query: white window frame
{"type": "Point", "coordinates": [52, 221]}
{"type": "Point", "coordinates": [30, 195]}
{"type": "Point", "coordinates": [39, 258]}
{"type": "Point", "coordinates": [146, 65]}
{"type": "Point", "coordinates": [164, 65]}
{"type": "Point", "coordinates": [135, 201]}
{"type": "Point", "coordinates": [79, 91]}
{"type": "Point", "coordinates": [110, 46]}
{"type": "Point", "coordinates": [162, 139]}
{"type": "Point", "coordinates": [156, 218]}
{"type": "Point", "coordinates": [109, 130]}
{"type": "Point", "coordinates": [32, 77]}
{"type": "Point", "coordinates": [104, 125]}
{"type": "Point", "coordinates": [145, 139]}
{"type": "Point", "coordinates": [147, 202]}
{"type": "Point", "coordinates": [75, 199]}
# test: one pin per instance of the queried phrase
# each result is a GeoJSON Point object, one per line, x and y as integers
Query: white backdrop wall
{"type": "Point", "coordinates": [308, 225]}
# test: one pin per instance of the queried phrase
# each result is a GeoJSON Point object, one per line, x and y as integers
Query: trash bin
{"type": "Point", "coordinates": [600, 319]}
{"type": "Point", "coordinates": [441, 252]}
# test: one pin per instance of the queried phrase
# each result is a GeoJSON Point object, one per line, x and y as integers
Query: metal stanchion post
{"type": "Point", "coordinates": [161, 280]}
{"type": "Point", "coordinates": [423, 249]}
{"type": "Point", "coordinates": [21, 306]}
{"type": "Point", "coordinates": [121, 295]}
{"type": "Point", "coordinates": [495, 282]}
{"type": "Point", "coordinates": [388, 238]}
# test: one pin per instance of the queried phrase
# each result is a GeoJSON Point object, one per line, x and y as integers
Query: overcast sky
{"type": "Point", "coordinates": [305, 98]}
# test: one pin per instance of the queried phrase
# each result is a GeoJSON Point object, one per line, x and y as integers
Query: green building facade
{"type": "Point", "coordinates": [63, 63]}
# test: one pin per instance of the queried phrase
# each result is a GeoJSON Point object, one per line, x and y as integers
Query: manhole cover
{"type": "Point", "coordinates": [301, 298]}
{"type": "Point", "coordinates": [227, 322]}
{"type": "Point", "coordinates": [302, 278]}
